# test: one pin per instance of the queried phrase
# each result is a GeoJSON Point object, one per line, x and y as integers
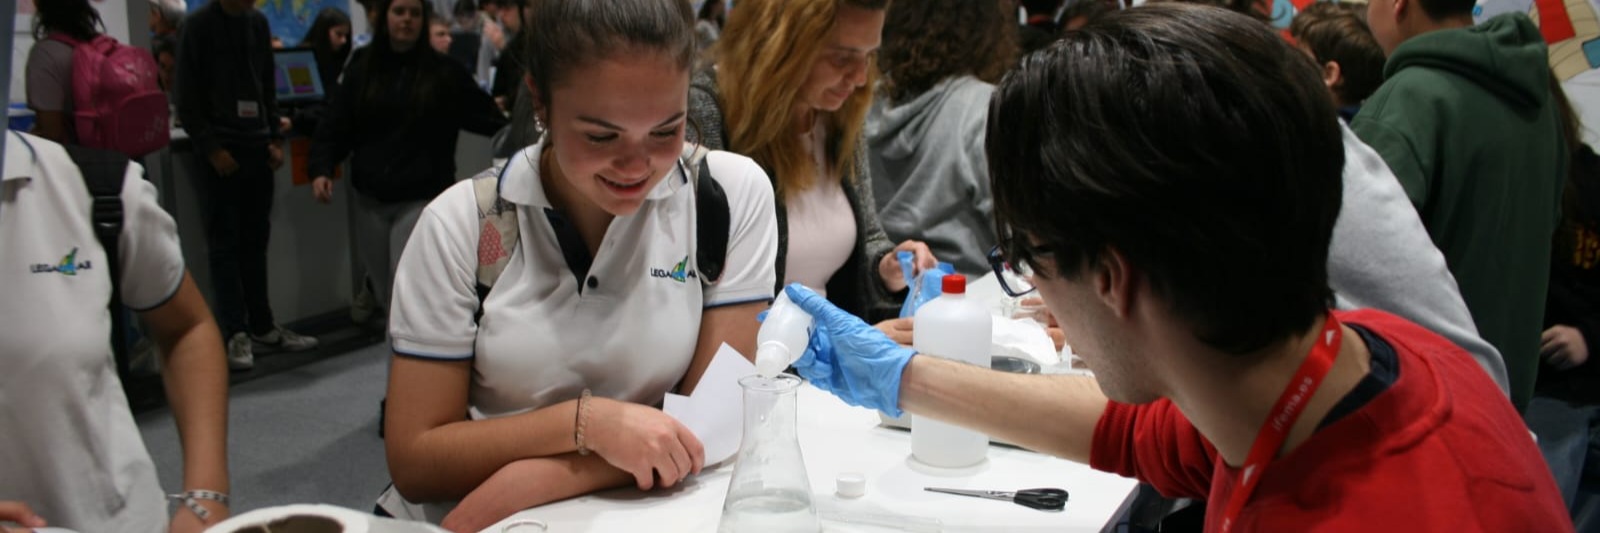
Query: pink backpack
{"type": "Point", "coordinates": [116, 96]}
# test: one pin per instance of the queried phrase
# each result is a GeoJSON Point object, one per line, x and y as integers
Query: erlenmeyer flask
{"type": "Point", "coordinates": [769, 491]}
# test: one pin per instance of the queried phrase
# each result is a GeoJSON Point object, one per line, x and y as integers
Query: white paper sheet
{"type": "Point", "coordinates": [1023, 337]}
{"type": "Point", "coordinates": [715, 411]}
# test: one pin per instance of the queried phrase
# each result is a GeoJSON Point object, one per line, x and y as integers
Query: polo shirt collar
{"type": "Point", "coordinates": [521, 184]}
{"type": "Point", "coordinates": [20, 158]}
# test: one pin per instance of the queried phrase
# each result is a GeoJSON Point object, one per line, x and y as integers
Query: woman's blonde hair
{"type": "Point", "coordinates": [765, 53]}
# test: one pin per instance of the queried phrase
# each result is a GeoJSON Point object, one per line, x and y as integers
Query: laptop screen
{"type": "Point", "coordinates": [297, 77]}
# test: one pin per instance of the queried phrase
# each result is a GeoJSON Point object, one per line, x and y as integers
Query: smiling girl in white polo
{"type": "Point", "coordinates": [600, 310]}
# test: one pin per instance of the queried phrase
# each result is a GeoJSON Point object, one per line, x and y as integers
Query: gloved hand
{"type": "Point", "coordinates": [848, 357]}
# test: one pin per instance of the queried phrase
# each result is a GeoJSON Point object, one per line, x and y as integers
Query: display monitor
{"type": "Point", "coordinates": [297, 76]}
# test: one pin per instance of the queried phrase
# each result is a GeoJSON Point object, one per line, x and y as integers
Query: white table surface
{"type": "Point", "coordinates": [837, 438]}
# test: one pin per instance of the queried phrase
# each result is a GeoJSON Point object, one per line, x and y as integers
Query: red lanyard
{"type": "Point", "coordinates": [1283, 416]}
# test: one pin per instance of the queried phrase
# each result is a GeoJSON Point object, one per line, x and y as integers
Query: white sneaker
{"type": "Point", "coordinates": [280, 339]}
{"type": "Point", "coordinates": [240, 355]}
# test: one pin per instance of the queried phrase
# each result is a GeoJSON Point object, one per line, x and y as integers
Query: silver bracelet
{"type": "Point", "coordinates": [191, 499]}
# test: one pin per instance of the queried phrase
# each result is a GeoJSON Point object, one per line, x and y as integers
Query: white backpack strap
{"type": "Point", "coordinates": [497, 227]}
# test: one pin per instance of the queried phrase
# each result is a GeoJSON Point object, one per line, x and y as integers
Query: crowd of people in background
{"type": "Point", "coordinates": [396, 116]}
{"type": "Point", "coordinates": [1377, 186]}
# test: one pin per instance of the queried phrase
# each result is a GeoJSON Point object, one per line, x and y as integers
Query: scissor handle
{"type": "Point", "coordinates": [1042, 499]}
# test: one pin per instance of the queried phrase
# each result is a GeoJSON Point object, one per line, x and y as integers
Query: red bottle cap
{"type": "Point", "coordinates": [954, 284]}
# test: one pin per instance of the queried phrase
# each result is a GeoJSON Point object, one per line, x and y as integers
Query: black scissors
{"type": "Point", "coordinates": [1041, 499]}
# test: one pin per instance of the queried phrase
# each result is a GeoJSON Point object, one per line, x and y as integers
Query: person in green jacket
{"type": "Point", "coordinates": [1466, 122]}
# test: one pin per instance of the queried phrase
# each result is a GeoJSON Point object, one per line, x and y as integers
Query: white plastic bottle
{"type": "Point", "coordinates": [953, 327]}
{"type": "Point", "coordinates": [783, 337]}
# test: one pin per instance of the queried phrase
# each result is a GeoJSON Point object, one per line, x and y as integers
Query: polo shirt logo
{"type": "Point", "coordinates": [69, 265]}
{"type": "Point", "coordinates": [678, 273]}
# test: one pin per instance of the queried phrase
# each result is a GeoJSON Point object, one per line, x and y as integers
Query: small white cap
{"type": "Point", "coordinates": [850, 485]}
{"type": "Point", "coordinates": [772, 358]}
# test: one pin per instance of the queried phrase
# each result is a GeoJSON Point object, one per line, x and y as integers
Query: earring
{"type": "Point", "coordinates": [541, 131]}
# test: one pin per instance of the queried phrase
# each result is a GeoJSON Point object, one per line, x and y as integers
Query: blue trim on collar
{"type": "Point", "coordinates": [500, 181]}
{"type": "Point", "coordinates": [432, 356]}
{"type": "Point", "coordinates": [767, 299]}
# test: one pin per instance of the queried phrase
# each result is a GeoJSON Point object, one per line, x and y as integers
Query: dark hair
{"type": "Point", "coordinates": [564, 34]}
{"type": "Point", "coordinates": [76, 18]}
{"type": "Point", "coordinates": [317, 36]}
{"type": "Point", "coordinates": [1443, 9]}
{"type": "Point", "coordinates": [928, 41]}
{"type": "Point", "coordinates": [1335, 33]}
{"type": "Point", "coordinates": [517, 45]}
{"type": "Point", "coordinates": [1583, 169]}
{"type": "Point", "coordinates": [523, 9]}
{"type": "Point", "coordinates": [463, 9]}
{"type": "Point", "coordinates": [706, 12]}
{"type": "Point", "coordinates": [1194, 142]}
{"type": "Point", "coordinates": [330, 60]}
{"type": "Point", "coordinates": [1041, 7]}
{"type": "Point", "coordinates": [380, 66]}
{"type": "Point", "coordinates": [163, 43]}
{"type": "Point", "coordinates": [169, 14]}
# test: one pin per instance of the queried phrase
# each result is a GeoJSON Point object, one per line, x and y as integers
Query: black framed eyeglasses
{"type": "Point", "coordinates": [1015, 278]}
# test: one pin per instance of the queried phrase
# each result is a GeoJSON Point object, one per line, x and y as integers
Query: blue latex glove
{"type": "Point", "coordinates": [908, 265]}
{"type": "Point", "coordinates": [908, 268]}
{"type": "Point", "coordinates": [848, 357]}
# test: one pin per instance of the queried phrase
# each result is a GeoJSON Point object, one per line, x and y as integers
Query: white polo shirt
{"type": "Point", "coordinates": [626, 329]}
{"type": "Point", "coordinates": [68, 443]}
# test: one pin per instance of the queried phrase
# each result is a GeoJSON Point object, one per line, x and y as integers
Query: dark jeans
{"type": "Point", "coordinates": [237, 209]}
{"type": "Point", "coordinates": [1567, 438]}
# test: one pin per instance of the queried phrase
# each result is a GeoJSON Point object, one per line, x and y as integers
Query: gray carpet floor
{"type": "Point", "coordinates": [303, 435]}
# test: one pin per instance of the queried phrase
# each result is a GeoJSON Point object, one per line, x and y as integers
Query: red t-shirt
{"type": "Point", "coordinates": [1439, 450]}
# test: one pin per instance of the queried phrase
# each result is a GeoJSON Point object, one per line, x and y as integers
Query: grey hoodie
{"type": "Point", "coordinates": [929, 172]}
{"type": "Point", "coordinates": [1381, 258]}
